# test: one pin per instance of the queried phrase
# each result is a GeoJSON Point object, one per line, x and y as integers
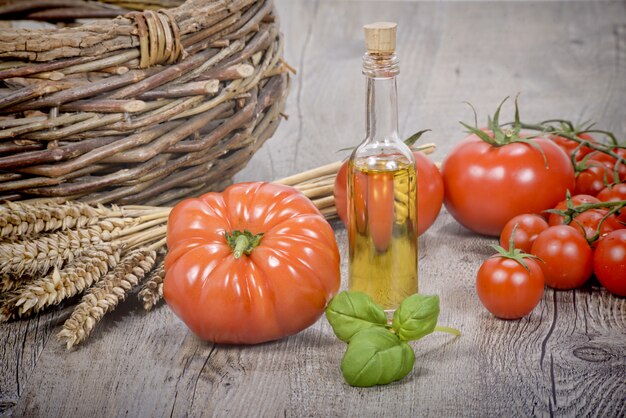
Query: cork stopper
{"type": "Point", "coordinates": [380, 37]}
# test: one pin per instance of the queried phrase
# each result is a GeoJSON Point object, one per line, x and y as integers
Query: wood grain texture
{"type": "Point", "coordinates": [567, 358]}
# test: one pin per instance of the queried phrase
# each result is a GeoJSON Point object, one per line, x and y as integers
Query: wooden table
{"type": "Point", "coordinates": [567, 358]}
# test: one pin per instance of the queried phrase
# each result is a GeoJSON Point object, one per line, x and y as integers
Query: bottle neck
{"type": "Point", "coordinates": [382, 109]}
{"type": "Point", "coordinates": [382, 100]}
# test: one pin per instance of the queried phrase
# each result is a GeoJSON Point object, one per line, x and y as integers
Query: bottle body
{"type": "Point", "coordinates": [382, 196]}
{"type": "Point", "coordinates": [382, 228]}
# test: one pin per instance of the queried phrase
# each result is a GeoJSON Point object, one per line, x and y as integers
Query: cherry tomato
{"type": "Point", "coordinates": [485, 185]}
{"type": "Point", "coordinates": [593, 179]}
{"type": "Point", "coordinates": [429, 193]}
{"type": "Point", "coordinates": [529, 226]}
{"type": "Point", "coordinates": [609, 262]}
{"type": "Point", "coordinates": [555, 219]}
{"type": "Point", "coordinates": [507, 289]}
{"type": "Point", "coordinates": [610, 162]}
{"type": "Point", "coordinates": [588, 222]}
{"type": "Point", "coordinates": [567, 259]}
{"type": "Point", "coordinates": [570, 146]}
{"type": "Point", "coordinates": [612, 194]}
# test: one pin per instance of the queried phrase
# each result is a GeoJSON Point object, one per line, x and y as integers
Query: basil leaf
{"type": "Point", "coordinates": [375, 356]}
{"type": "Point", "coordinates": [351, 312]}
{"type": "Point", "coordinates": [416, 317]}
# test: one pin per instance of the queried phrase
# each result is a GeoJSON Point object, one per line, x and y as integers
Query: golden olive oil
{"type": "Point", "coordinates": [382, 228]}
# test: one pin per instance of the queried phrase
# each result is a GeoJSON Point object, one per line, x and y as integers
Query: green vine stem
{"type": "Point", "coordinates": [569, 214]}
{"type": "Point", "coordinates": [572, 136]}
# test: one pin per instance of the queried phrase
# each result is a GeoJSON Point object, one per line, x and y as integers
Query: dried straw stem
{"type": "Point", "coordinates": [105, 295]}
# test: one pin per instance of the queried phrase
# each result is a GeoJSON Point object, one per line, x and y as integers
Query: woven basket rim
{"type": "Point", "coordinates": [189, 17]}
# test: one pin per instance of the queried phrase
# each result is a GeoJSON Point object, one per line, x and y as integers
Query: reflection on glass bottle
{"type": "Point", "coordinates": [382, 185]}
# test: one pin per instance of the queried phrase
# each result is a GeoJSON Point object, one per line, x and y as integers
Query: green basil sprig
{"type": "Point", "coordinates": [351, 312]}
{"type": "Point", "coordinates": [378, 352]}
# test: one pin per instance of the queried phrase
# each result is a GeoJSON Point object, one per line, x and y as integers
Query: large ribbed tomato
{"type": "Point", "coordinates": [255, 263]}
{"type": "Point", "coordinates": [486, 185]}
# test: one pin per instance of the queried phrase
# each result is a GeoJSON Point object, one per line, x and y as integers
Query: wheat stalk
{"type": "Point", "coordinates": [61, 284]}
{"type": "Point", "coordinates": [105, 295]}
{"type": "Point", "coordinates": [23, 219]}
{"type": "Point", "coordinates": [152, 290]}
{"type": "Point", "coordinates": [38, 256]}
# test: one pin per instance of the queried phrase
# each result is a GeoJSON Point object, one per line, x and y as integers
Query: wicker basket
{"type": "Point", "coordinates": [145, 108]}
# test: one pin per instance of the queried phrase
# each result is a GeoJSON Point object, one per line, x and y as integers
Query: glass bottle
{"type": "Point", "coordinates": [382, 185]}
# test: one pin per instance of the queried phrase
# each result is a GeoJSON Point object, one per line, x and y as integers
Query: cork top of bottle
{"type": "Point", "coordinates": [380, 37]}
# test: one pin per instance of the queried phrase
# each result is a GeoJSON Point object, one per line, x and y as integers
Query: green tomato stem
{"type": "Point", "coordinates": [449, 330]}
{"type": "Point", "coordinates": [241, 244]}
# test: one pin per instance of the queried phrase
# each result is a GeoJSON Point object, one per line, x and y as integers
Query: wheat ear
{"type": "Point", "coordinates": [152, 290]}
{"type": "Point", "coordinates": [23, 219]}
{"type": "Point", "coordinates": [22, 260]}
{"type": "Point", "coordinates": [105, 295]}
{"type": "Point", "coordinates": [61, 284]}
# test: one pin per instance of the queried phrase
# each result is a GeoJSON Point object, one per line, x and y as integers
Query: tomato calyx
{"type": "Point", "coordinates": [514, 253]}
{"type": "Point", "coordinates": [499, 135]}
{"type": "Point", "coordinates": [242, 242]}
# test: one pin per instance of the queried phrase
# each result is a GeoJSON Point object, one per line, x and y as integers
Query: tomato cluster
{"type": "Point", "coordinates": [580, 238]}
{"type": "Point", "coordinates": [503, 182]}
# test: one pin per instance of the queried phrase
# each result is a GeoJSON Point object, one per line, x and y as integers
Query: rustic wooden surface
{"type": "Point", "coordinates": [568, 358]}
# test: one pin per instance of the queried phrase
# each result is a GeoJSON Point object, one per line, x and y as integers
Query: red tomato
{"type": "Point", "coordinates": [566, 255]}
{"type": "Point", "coordinates": [588, 222]}
{"type": "Point", "coordinates": [578, 199]}
{"type": "Point", "coordinates": [612, 194]}
{"type": "Point", "coordinates": [570, 146]}
{"type": "Point", "coordinates": [507, 289]}
{"type": "Point", "coordinates": [429, 192]}
{"type": "Point", "coordinates": [593, 179]}
{"type": "Point", "coordinates": [529, 226]}
{"type": "Point", "coordinates": [609, 262]}
{"type": "Point", "coordinates": [610, 162]}
{"type": "Point", "coordinates": [274, 289]}
{"type": "Point", "coordinates": [485, 186]}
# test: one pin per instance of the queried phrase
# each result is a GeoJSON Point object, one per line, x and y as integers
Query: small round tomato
{"type": "Point", "coordinates": [507, 289]}
{"type": "Point", "coordinates": [579, 199]}
{"type": "Point", "coordinates": [615, 193]}
{"type": "Point", "coordinates": [429, 193]}
{"type": "Point", "coordinates": [588, 223]}
{"type": "Point", "coordinates": [571, 147]}
{"type": "Point", "coordinates": [610, 163]}
{"type": "Point", "coordinates": [593, 179]}
{"type": "Point", "coordinates": [609, 262]}
{"type": "Point", "coordinates": [567, 259]}
{"type": "Point", "coordinates": [528, 225]}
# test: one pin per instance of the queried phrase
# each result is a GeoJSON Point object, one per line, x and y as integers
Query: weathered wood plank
{"type": "Point", "coordinates": [566, 358]}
